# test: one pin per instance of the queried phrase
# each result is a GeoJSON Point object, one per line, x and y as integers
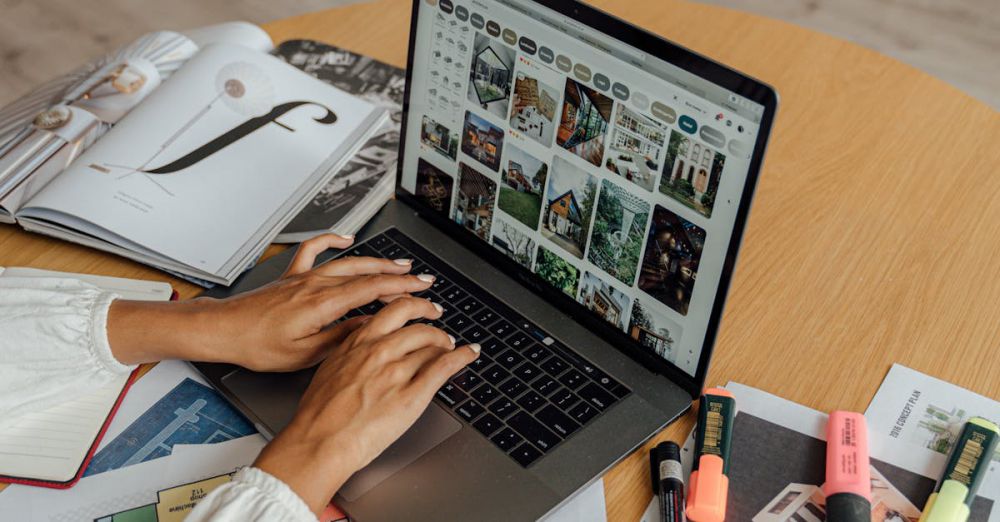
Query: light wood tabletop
{"type": "Point", "coordinates": [874, 237]}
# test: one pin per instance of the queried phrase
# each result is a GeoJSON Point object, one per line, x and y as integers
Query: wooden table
{"type": "Point", "coordinates": [874, 238]}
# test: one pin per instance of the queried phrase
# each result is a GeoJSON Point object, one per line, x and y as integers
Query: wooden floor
{"type": "Point", "coordinates": [955, 40]}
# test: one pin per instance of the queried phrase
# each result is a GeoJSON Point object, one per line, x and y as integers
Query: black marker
{"type": "Point", "coordinates": [668, 480]}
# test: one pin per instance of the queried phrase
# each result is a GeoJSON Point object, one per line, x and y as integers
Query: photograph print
{"type": "Point", "coordinates": [434, 187]}
{"type": "Point", "coordinates": [513, 243]}
{"type": "Point", "coordinates": [439, 138]}
{"type": "Point", "coordinates": [534, 110]}
{"type": "Point", "coordinates": [569, 201]}
{"type": "Point", "coordinates": [522, 182]}
{"type": "Point", "coordinates": [670, 263]}
{"type": "Point", "coordinates": [636, 144]}
{"type": "Point", "coordinates": [491, 75]}
{"type": "Point", "coordinates": [604, 300]}
{"type": "Point", "coordinates": [656, 331]}
{"type": "Point", "coordinates": [474, 208]}
{"type": "Point", "coordinates": [619, 226]}
{"type": "Point", "coordinates": [482, 140]}
{"type": "Point", "coordinates": [586, 115]}
{"type": "Point", "coordinates": [557, 271]}
{"type": "Point", "coordinates": [691, 173]}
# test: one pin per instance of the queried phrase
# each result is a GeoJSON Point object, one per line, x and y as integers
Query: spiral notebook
{"type": "Point", "coordinates": [52, 447]}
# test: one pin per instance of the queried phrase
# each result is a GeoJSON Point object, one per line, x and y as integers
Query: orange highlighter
{"type": "Point", "coordinates": [713, 438]}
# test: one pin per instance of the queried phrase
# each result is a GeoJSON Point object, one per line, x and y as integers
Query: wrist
{"type": "Point", "coordinates": [144, 332]}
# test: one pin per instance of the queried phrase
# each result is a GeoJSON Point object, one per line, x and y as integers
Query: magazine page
{"type": "Point", "coordinates": [207, 161]}
{"type": "Point", "coordinates": [359, 189]}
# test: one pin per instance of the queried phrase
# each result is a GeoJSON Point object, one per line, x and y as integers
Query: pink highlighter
{"type": "Point", "coordinates": [848, 486]}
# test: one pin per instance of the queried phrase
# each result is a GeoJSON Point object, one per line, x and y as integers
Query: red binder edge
{"type": "Point", "coordinates": [134, 376]}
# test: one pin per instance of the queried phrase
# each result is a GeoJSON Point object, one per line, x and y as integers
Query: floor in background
{"type": "Point", "coordinates": [955, 40]}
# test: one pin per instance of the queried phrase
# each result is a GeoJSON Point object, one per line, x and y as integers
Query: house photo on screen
{"type": "Point", "coordinates": [637, 142]}
{"type": "Point", "coordinates": [491, 75]}
{"type": "Point", "coordinates": [691, 173]}
{"type": "Point", "coordinates": [534, 110]}
{"type": "Point", "coordinates": [434, 187]}
{"type": "Point", "coordinates": [659, 333]}
{"type": "Point", "coordinates": [482, 140]}
{"type": "Point", "coordinates": [514, 243]}
{"type": "Point", "coordinates": [606, 301]}
{"type": "Point", "coordinates": [583, 127]}
{"type": "Point", "coordinates": [439, 138]}
{"type": "Point", "coordinates": [474, 208]}
{"type": "Point", "coordinates": [522, 182]}
{"type": "Point", "coordinates": [670, 263]}
{"type": "Point", "coordinates": [619, 230]}
{"type": "Point", "coordinates": [569, 201]}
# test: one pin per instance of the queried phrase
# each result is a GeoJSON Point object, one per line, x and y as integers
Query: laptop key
{"type": "Point", "coordinates": [554, 366]}
{"type": "Point", "coordinates": [470, 410]}
{"type": "Point", "coordinates": [364, 251]}
{"type": "Point", "coordinates": [453, 295]}
{"type": "Point", "coordinates": [525, 454]}
{"type": "Point", "coordinates": [545, 385]}
{"type": "Point", "coordinates": [513, 387]}
{"type": "Point", "coordinates": [510, 359]}
{"type": "Point", "coordinates": [502, 328]}
{"type": "Point", "coordinates": [537, 353]}
{"type": "Point", "coordinates": [379, 242]}
{"type": "Point", "coordinates": [456, 320]}
{"type": "Point", "coordinates": [467, 380]}
{"type": "Point", "coordinates": [451, 395]}
{"type": "Point", "coordinates": [519, 341]}
{"type": "Point", "coordinates": [488, 425]}
{"type": "Point", "coordinates": [480, 363]}
{"type": "Point", "coordinates": [441, 285]}
{"type": "Point", "coordinates": [564, 399]}
{"type": "Point", "coordinates": [493, 346]}
{"type": "Point", "coordinates": [503, 408]}
{"type": "Point", "coordinates": [533, 431]}
{"type": "Point", "coordinates": [583, 412]}
{"type": "Point", "coordinates": [495, 374]}
{"type": "Point", "coordinates": [485, 317]}
{"type": "Point", "coordinates": [470, 305]}
{"type": "Point", "coordinates": [596, 395]}
{"type": "Point", "coordinates": [395, 252]}
{"type": "Point", "coordinates": [531, 401]}
{"type": "Point", "coordinates": [527, 372]}
{"type": "Point", "coordinates": [485, 394]}
{"type": "Point", "coordinates": [475, 334]}
{"type": "Point", "coordinates": [557, 421]}
{"type": "Point", "coordinates": [507, 439]}
{"type": "Point", "coordinates": [572, 379]}
{"type": "Point", "coordinates": [620, 391]}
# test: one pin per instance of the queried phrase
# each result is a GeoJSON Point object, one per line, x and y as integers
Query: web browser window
{"type": "Point", "coordinates": [613, 175]}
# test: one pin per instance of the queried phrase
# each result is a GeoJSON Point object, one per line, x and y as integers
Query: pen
{"type": "Point", "coordinates": [668, 480]}
{"type": "Point", "coordinates": [713, 437]}
{"type": "Point", "coordinates": [967, 465]}
{"type": "Point", "coordinates": [848, 486]}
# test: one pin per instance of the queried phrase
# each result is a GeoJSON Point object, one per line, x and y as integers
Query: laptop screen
{"type": "Point", "coordinates": [612, 175]}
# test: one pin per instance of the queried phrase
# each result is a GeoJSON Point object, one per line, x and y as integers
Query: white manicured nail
{"type": "Point", "coordinates": [452, 338]}
{"type": "Point", "coordinates": [349, 237]}
{"type": "Point", "coordinates": [427, 278]}
{"type": "Point", "coordinates": [403, 262]}
{"type": "Point", "coordinates": [476, 348]}
{"type": "Point", "coordinates": [439, 308]}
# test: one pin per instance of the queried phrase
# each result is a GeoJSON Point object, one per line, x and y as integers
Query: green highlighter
{"type": "Point", "coordinates": [966, 468]}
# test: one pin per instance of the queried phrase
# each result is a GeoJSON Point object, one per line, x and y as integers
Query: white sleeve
{"type": "Point", "coordinates": [252, 495]}
{"type": "Point", "coordinates": [53, 343]}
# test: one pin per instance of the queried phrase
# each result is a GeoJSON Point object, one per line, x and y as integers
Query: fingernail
{"type": "Point", "coordinates": [452, 338]}
{"type": "Point", "coordinates": [438, 307]}
{"type": "Point", "coordinates": [403, 262]}
{"type": "Point", "coordinates": [349, 237]}
{"type": "Point", "coordinates": [475, 348]}
{"type": "Point", "coordinates": [427, 278]}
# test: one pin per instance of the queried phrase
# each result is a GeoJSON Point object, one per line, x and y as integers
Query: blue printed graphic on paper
{"type": "Point", "coordinates": [191, 413]}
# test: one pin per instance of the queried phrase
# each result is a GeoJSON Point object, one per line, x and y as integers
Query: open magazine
{"type": "Point", "coordinates": [188, 153]}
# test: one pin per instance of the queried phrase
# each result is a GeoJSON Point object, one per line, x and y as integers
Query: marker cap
{"type": "Point", "coordinates": [948, 504]}
{"type": "Point", "coordinates": [847, 461]}
{"type": "Point", "coordinates": [709, 489]}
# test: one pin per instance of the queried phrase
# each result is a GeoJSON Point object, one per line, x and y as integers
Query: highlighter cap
{"type": "Point", "coordinates": [847, 462]}
{"type": "Point", "coordinates": [708, 491]}
{"type": "Point", "coordinates": [948, 504]}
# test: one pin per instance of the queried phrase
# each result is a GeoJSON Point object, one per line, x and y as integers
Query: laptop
{"type": "Point", "coordinates": [580, 188]}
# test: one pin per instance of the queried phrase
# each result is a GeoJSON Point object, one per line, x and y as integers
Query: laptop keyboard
{"type": "Point", "coordinates": [526, 392]}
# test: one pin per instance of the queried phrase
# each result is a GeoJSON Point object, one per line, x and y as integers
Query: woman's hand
{"type": "Point", "coordinates": [366, 394]}
{"type": "Point", "coordinates": [280, 327]}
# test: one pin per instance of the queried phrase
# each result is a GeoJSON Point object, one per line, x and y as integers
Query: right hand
{"type": "Point", "coordinates": [367, 393]}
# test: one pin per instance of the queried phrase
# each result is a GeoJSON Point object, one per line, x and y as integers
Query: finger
{"type": "Point", "coordinates": [437, 371]}
{"type": "Point", "coordinates": [305, 257]}
{"type": "Point", "coordinates": [338, 299]}
{"type": "Point", "coordinates": [337, 333]}
{"type": "Point", "coordinates": [354, 266]}
{"type": "Point", "coordinates": [386, 299]}
{"type": "Point", "coordinates": [401, 311]}
{"type": "Point", "coordinates": [405, 341]}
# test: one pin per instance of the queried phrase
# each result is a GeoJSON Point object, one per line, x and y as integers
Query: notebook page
{"type": "Point", "coordinates": [51, 444]}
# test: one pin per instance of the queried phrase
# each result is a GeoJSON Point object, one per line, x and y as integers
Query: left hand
{"type": "Point", "coordinates": [282, 326]}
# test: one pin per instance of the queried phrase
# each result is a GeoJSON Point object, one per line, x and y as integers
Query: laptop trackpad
{"type": "Point", "coordinates": [431, 429]}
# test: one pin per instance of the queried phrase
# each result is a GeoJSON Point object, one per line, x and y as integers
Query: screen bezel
{"type": "Point", "coordinates": [674, 54]}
